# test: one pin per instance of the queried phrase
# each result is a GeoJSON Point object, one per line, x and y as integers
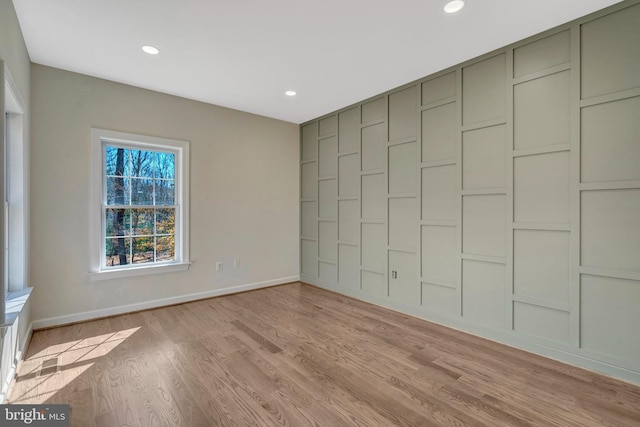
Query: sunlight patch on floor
{"type": "Point", "coordinates": [52, 369]}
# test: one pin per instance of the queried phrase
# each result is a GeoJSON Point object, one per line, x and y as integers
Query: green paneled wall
{"type": "Point", "coordinates": [501, 196]}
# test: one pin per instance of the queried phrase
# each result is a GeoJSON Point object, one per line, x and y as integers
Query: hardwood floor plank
{"type": "Point", "coordinates": [205, 378]}
{"type": "Point", "coordinates": [338, 398]}
{"type": "Point", "coordinates": [436, 409]}
{"type": "Point", "coordinates": [296, 355]}
{"type": "Point", "coordinates": [374, 393]}
{"type": "Point", "coordinates": [257, 337]}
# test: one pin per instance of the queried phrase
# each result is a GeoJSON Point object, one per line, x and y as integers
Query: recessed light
{"type": "Point", "coordinates": [151, 50]}
{"type": "Point", "coordinates": [290, 93]}
{"type": "Point", "coordinates": [454, 6]}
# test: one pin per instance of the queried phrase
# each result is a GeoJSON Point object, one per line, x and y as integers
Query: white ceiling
{"type": "Point", "coordinates": [244, 54]}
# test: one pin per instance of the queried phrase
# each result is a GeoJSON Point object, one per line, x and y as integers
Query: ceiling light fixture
{"type": "Point", "coordinates": [151, 50]}
{"type": "Point", "coordinates": [290, 93]}
{"type": "Point", "coordinates": [454, 6]}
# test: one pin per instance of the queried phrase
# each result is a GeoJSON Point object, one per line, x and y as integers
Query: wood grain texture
{"type": "Point", "coordinates": [296, 355]}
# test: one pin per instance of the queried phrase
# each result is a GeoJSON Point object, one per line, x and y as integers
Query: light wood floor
{"type": "Point", "coordinates": [297, 355]}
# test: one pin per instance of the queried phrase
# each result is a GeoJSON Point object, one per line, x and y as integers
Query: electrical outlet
{"type": "Point", "coordinates": [236, 263]}
{"type": "Point", "coordinates": [219, 266]}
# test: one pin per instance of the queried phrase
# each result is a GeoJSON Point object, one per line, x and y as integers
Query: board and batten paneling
{"type": "Point", "coordinates": [610, 187]}
{"type": "Point", "coordinates": [500, 196]}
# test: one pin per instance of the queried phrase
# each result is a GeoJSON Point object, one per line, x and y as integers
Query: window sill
{"type": "Point", "coordinates": [138, 271]}
{"type": "Point", "coordinates": [14, 304]}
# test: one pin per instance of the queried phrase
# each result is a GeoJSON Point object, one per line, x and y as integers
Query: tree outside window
{"type": "Point", "coordinates": [140, 206]}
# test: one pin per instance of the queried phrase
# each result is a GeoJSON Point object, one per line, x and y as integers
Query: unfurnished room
{"type": "Point", "coordinates": [336, 213]}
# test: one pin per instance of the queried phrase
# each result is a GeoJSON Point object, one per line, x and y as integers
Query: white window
{"type": "Point", "coordinates": [141, 204]}
{"type": "Point", "coordinates": [14, 215]}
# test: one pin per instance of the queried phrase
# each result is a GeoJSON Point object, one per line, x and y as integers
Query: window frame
{"type": "Point", "coordinates": [15, 189]}
{"type": "Point", "coordinates": [99, 139]}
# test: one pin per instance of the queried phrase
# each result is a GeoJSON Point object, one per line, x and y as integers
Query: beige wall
{"type": "Point", "coordinates": [243, 198]}
{"type": "Point", "coordinates": [16, 59]}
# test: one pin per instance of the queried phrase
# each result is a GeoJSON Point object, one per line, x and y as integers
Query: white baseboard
{"type": "Point", "coordinates": [129, 308]}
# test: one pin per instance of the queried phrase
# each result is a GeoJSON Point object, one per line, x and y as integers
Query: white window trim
{"type": "Point", "coordinates": [97, 272]}
{"type": "Point", "coordinates": [16, 211]}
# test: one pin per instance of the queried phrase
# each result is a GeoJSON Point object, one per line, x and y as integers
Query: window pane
{"type": "Point", "coordinates": [141, 191]}
{"type": "Point", "coordinates": [116, 160]}
{"type": "Point", "coordinates": [142, 250]}
{"type": "Point", "coordinates": [165, 249]}
{"type": "Point", "coordinates": [117, 251]}
{"type": "Point", "coordinates": [117, 191]}
{"type": "Point", "coordinates": [140, 195]}
{"type": "Point", "coordinates": [165, 165]}
{"type": "Point", "coordinates": [142, 163]}
{"type": "Point", "coordinates": [165, 221]}
{"type": "Point", "coordinates": [118, 222]}
{"type": "Point", "coordinates": [142, 222]}
{"type": "Point", "coordinates": [165, 190]}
